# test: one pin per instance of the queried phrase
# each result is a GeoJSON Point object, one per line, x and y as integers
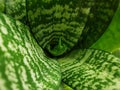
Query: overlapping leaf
{"type": "Point", "coordinates": [91, 69]}
{"type": "Point", "coordinates": [23, 64]}
{"type": "Point", "coordinates": [57, 26]}
{"type": "Point", "coordinates": [100, 16]}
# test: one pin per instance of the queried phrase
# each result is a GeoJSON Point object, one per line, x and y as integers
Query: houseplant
{"type": "Point", "coordinates": [25, 66]}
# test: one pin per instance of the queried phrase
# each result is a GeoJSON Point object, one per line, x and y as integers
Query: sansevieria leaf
{"type": "Point", "coordinates": [91, 69]}
{"type": "Point", "coordinates": [54, 40]}
{"type": "Point", "coordinates": [60, 25]}
{"type": "Point", "coordinates": [23, 64]}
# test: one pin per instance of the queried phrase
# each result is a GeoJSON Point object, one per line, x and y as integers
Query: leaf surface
{"type": "Point", "coordinates": [23, 64]}
{"type": "Point", "coordinates": [91, 69]}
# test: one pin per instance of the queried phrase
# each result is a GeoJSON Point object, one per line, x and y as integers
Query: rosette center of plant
{"type": "Point", "coordinates": [56, 48]}
{"type": "Point", "coordinates": [65, 30]}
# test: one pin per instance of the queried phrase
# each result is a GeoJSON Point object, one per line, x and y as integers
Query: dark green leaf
{"type": "Point", "coordinates": [110, 41]}
{"type": "Point", "coordinates": [98, 21]}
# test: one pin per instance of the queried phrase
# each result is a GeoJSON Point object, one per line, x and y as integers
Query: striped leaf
{"type": "Point", "coordinates": [58, 25]}
{"type": "Point", "coordinates": [91, 69]}
{"type": "Point", "coordinates": [23, 64]}
{"type": "Point", "coordinates": [98, 21]}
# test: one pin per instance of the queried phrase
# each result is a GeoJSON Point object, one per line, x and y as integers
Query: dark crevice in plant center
{"type": "Point", "coordinates": [55, 48]}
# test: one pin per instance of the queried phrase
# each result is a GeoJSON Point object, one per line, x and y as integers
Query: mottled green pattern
{"type": "Point", "coordinates": [91, 69]}
{"type": "Point", "coordinates": [15, 8]}
{"type": "Point", "coordinates": [23, 64]}
{"type": "Point", "coordinates": [75, 23]}
{"type": "Point", "coordinates": [57, 21]}
{"type": "Point", "coordinates": [53, 20]}
{"type": "Point", "coordinates": [58, 26]}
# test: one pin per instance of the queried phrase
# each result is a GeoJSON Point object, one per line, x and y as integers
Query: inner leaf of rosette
{"type": "Point", "coordinates": [60, 26]}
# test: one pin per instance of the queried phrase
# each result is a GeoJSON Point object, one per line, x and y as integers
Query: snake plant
{"type": "Point", "coordinates": [44, 43]}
